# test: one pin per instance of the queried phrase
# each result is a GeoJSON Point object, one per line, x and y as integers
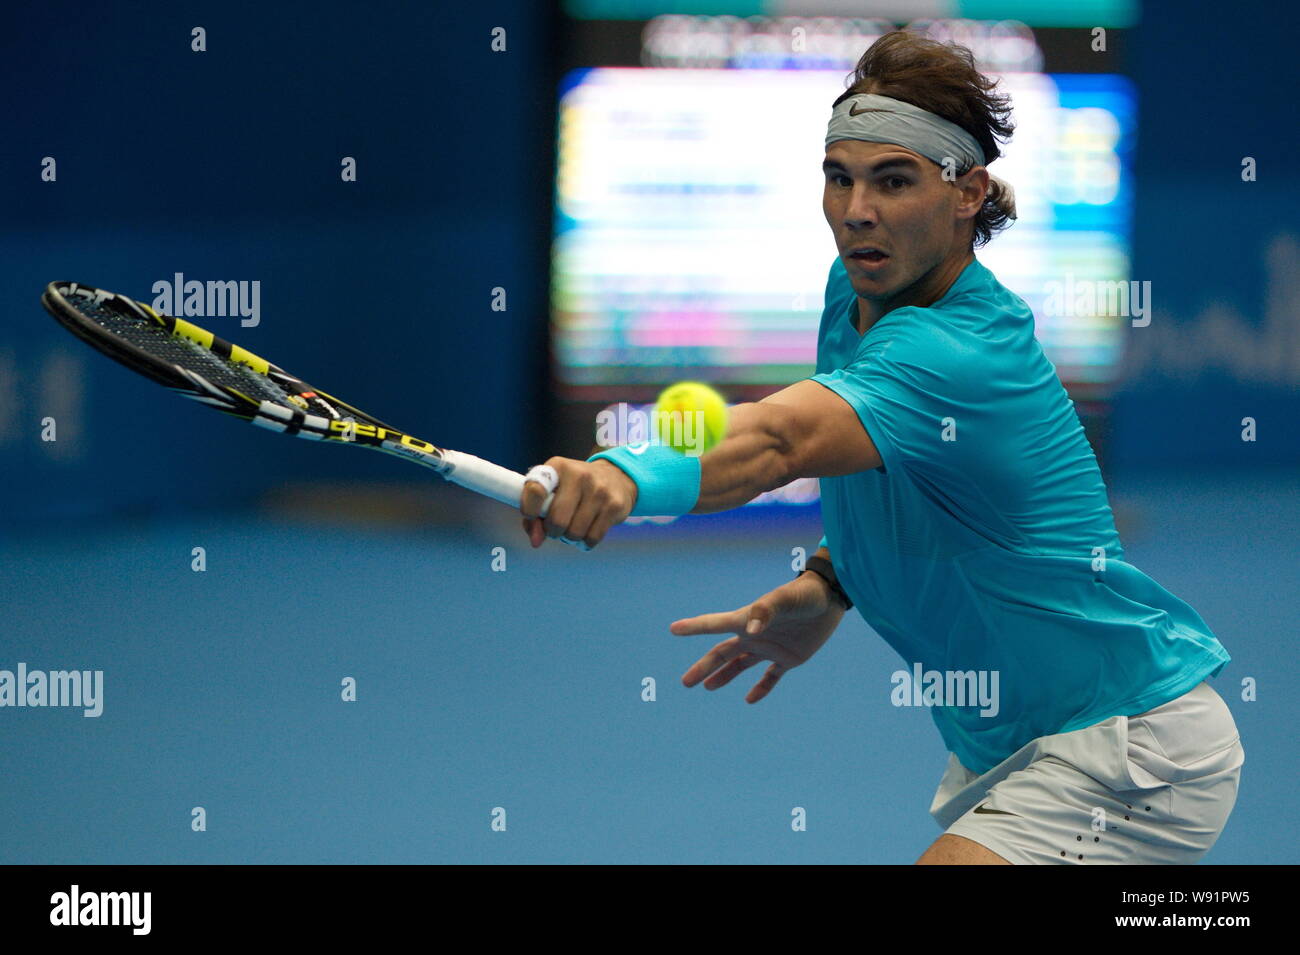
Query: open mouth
{"type": "Point", "coordinates": [868, 254]}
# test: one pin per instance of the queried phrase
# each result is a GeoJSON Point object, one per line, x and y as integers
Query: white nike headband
{"type": "Point", "coordinates": [882, 119]}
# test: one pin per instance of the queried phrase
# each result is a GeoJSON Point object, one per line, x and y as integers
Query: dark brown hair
{"type": "Point", "coordinates": [941, 78]}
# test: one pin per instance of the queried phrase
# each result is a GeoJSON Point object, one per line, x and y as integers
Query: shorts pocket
{"type": "Point", "coordinates": [1189, 738]}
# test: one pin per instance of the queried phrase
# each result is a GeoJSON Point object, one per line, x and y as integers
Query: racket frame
{"type": "Point", "coordinates": [347, 425]}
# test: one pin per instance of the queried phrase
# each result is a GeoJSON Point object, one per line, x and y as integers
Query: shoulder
{"type": "Point", "coordinates": [915, 341]}
{"type": "Point", "coordinates": [981, 305]}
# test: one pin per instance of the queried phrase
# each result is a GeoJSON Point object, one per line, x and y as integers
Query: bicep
{"type": "Point", "coordinates": [821, 433]}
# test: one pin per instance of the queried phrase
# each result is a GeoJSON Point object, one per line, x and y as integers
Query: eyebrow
{"type": "Point", "coordinates": [904, 162]}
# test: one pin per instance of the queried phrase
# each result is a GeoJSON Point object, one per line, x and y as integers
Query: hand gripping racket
{"type": "Point", "coordinates": [197, 364]}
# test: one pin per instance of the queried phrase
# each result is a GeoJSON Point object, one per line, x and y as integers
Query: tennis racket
{"type": "Point", "coordinates": [193, 362]}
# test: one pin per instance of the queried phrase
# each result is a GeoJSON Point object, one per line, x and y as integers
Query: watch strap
{"type": "Point", "coordinates": [825, 570]}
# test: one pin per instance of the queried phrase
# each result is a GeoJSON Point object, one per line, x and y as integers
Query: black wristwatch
{"type": "Point", "coordinates": [823, 569]}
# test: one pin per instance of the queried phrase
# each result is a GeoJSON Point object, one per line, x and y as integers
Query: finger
{"type": "Point", "coordinates": [568, 496]}
{"type": "Point", "coordinates": [610, 515]}
{"type": "Point", "coordinates": [715, 658]}
{"type": "Point", "coordinates": [558, 518]}
{"type": "Point", "coordinates": [530, 502]}
{"type": "Point", "coordinates": [764, 686]}
{"type": "Point", "coordinates": [759, 616]}
{"type": "Point", "coordinates": [599, 528]}
{"type": "Point", "coordinates": [733, 621]}
{"type": "Point", "coordinates": [731, 670]}
{"type": "Point", "coordinates": [585, 515]}
{"type": "Point", "coordinates": [536, 533]}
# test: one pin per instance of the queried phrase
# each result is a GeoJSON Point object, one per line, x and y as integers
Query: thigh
{"type": "Point", "coordinates": [958, 850]}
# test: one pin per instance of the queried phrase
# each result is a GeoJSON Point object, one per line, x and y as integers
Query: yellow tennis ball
{"type": "Point", "coordinates": [690, 417]}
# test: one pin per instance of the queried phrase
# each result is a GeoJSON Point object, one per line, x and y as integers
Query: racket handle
{"type": "Point", "coordinates": [494, 481]}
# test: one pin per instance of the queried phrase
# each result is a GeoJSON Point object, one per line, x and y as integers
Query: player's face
{"type": "Point", "coordinates": [895, 218]}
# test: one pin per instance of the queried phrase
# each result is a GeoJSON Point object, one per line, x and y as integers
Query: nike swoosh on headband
{"type": "Point", "coordinates": [873, 118]}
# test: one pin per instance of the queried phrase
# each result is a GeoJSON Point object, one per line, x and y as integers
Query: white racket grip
{"type": "Point", "coordinates": [494, 481]}
{"type": "Point", "coordinates": [491, 480]}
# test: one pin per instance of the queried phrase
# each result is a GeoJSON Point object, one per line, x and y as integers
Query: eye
{"type": "Point", "coordinates": [839, 179]}
{"type": "Point", "coordinates": [896, 182]}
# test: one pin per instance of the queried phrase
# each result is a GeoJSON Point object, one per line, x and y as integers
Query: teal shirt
{"type": "Point", "coordinates": [985, 542]}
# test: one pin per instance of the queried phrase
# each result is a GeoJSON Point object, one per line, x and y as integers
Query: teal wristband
{"type": "Point", "coordinates": [667, 481]}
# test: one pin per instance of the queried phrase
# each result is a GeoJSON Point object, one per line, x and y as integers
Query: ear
{"type": "Point", "coordinates": [973, 187]}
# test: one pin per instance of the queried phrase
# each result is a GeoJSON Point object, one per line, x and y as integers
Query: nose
{"type": "Point", "coordinates": [860, 211]}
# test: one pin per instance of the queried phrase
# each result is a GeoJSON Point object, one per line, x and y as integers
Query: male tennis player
{"type": "Point", "coordinates": [964, 511]}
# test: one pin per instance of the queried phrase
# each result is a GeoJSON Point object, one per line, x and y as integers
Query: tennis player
{"type": "Point", "coordinates": [964, 512]}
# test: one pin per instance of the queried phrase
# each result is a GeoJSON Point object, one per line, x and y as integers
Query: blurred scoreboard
{"type": "Point", "coordinates": [690, 242]}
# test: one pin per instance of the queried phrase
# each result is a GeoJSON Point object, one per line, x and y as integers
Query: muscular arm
{"type": "Point", "coordinates": [805, 430]}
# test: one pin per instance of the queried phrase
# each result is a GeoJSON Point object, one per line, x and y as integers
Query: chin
{"type": "Point", "coordinates": [872, 288]}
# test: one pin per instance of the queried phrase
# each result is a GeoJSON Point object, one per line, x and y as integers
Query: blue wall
{"type": "Point", "coordinates": [225, 165]}
{"type": "Point", "coordinates": [1216, 84]}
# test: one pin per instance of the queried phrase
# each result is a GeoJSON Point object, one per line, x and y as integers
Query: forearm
{"type": "Point", "coordinates": [805, 430]}
{"type": "Point", "coordinates": [754, 457]}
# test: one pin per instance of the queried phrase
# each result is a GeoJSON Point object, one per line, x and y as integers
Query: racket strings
{"type": "Point", "coordinates": [149, 336]}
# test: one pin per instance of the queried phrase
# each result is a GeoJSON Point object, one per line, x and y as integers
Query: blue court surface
{"type": "Point", "coordinates": [480, 690]}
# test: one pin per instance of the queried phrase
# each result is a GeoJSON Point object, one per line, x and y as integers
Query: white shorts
{"type": "Point", "coordinates": [1151, 789]}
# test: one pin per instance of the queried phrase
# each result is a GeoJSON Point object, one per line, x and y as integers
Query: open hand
{"type": "Point", "coordinates": [786, 626]}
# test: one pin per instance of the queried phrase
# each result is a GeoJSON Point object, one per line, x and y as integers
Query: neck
{"type": "Point", "coordinates": [922, 293]}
